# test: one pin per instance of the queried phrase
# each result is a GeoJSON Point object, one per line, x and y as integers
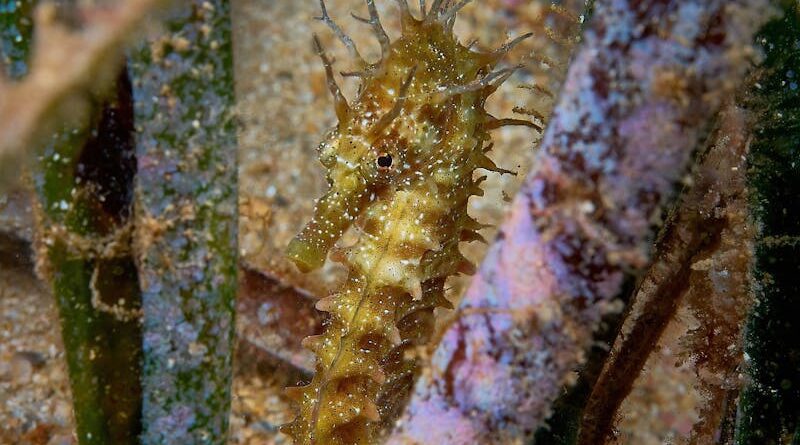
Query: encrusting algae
{"type": "Point", "coordinates": [400, 166]}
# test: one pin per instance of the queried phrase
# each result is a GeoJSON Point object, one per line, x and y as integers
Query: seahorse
{"type": "Point", "coordinates": [400, 166]}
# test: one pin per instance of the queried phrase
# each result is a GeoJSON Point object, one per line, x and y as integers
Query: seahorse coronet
{"type": "Point", "coordinates": [400, 165]}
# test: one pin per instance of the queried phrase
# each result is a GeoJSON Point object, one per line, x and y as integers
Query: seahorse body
{"type": "Point", "coordinates": [400, 166]}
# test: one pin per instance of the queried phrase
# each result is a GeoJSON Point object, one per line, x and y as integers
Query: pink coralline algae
{"type": "Point", "coordinates": [638, 98]}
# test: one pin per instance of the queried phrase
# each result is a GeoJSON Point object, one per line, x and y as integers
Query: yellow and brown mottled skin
{"type": "Point", "coordinates": [401, 165]}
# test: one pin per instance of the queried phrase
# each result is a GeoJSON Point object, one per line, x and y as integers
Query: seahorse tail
{"type": "Point", "coordinates": [339, 403]}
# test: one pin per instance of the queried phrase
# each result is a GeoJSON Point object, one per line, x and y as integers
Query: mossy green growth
{"type": "Point", "coordinates": [81, 204]}
{"type": "Point", "coordinates": [769, 411]}
{"type": "Point", "coordinates": [96, 287]}
{"type": "Point", "coordinates": [16, 28]}
{"type": "Point", "coordinates": [103, 352]}
{"type": "Point", "coordinates": [186, 223]}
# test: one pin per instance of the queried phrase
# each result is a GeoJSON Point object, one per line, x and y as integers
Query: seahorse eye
{"type": "Point", "coordinates": [385, 161]}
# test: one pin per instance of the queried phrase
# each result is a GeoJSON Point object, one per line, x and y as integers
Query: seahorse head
{"type": "Point", "coordinates": [418, 117]}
